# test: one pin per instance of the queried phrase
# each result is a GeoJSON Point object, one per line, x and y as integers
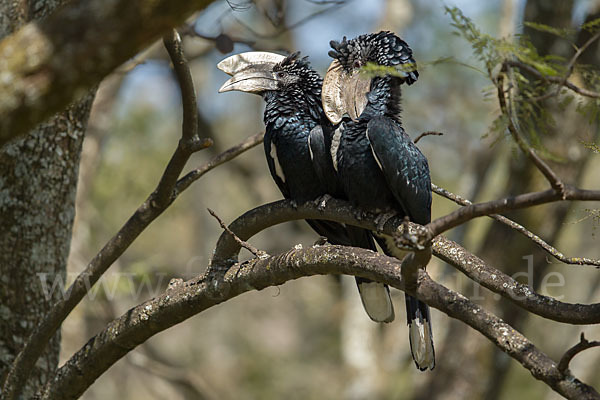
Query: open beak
{"type": "Point", "coordinates": [344, 93]}
{"type": "Point", "coordinates": [239, 62]}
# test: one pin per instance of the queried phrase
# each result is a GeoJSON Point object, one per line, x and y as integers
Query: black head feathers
{"type": "Point", "coordinates": [383, 48]}
{"type": "Point", "coordinates": [295, 69]}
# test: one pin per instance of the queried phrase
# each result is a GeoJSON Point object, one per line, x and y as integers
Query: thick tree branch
{"type": "Point", "coordinates": [194, 296]}
{"type": "Point", "coordinates": [46, 65]}
{"type": "Point", "coordinates": [265, 216]}
{"type": "Point", "coordinates": [522, 295]}
{"type": "Point", "coordinates": [521, 229]}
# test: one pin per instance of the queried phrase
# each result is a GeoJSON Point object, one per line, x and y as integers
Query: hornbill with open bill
{"type": "Point", "coordinates": [297, 146]}
{"type": "Point", "coordinates": [379, 167]}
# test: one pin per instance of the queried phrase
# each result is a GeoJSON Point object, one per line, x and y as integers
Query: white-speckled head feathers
{"type": "Point", "coordinates": [383, 48]}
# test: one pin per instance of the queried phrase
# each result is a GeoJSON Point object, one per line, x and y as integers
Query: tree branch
{"type": "Point", "coordinates": [256, 252]}
{"type": "Point", "coordinates": [428, 133]}
{"type": "Point", "coordinates": [518, 202]}
{"type": "Point", "coordinates": [521, 295]}
{"type": "Point", "coordinates": [584, 344]}
{"type": "Point", "coordinates": [553, 79]}
{"type": "Point", "coordinates": [47, 64]}
{"type": "Point", "coordinates": [267, 215]}
{"type": "Point", "coordinates": [196, 295]}
{"type": "Point", "coordinates": [521, 229]}
{"type": "Point", "coordinates": [544, 168]}
{"type": "Point", "coordinates": [189, 142]}
{"type": "Point", "coordinates": [137, 223]}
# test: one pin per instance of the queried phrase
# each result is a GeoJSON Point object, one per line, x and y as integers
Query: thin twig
{"type": "Point", "coordinates": [224, 157]}
{"type": "Point", "coordinates": [544, 168]}
{"type": "Point", "coordinates": [577, 54]}
{"type": "Point", "coordinates": [583, 344]}
{"type": "Point", "coordinates": [570, 67]}
{"type": "Point", "coordinates": [511, 203]}
{"type": "Point", "coordinates": [286, 28]}
{"type": "Point", "coordinates": [553, 79]}
{"type": "Point", "coordinates": [521, 229]}
{"type": "Point", "coordinates": [257, 253]}
{"type": "Point", "coordinates": [428, 133]}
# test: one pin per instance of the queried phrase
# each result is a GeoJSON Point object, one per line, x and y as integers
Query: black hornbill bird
{"type": "Point", "coordinates": [379, 167]}
{"type": "Point", "coordinates": [297, 146]}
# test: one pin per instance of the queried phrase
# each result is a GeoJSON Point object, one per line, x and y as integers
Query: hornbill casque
{"type": "Point", "coordinates": [297, 147]}
{"type": "Point", "coordinates": [379, 167]}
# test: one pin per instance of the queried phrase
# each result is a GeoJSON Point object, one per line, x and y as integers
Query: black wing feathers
{"type": "Point", "coordinates": [281, 184]}
{"type": "Point", "coordinates": [319, 143]}
{"type": "Point", "coordinates": [404, 166]}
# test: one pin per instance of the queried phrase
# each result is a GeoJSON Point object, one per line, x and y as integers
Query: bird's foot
{"type": "Point", "coordinates": [321, 202]}
{"type": "Point", "coordinates": [359, 214]}
{"type": "Point", "coordinates": [294, 204]}
{"type": "Point", "coordinates": [382, 219]}
{"type": "Point", "coordinates": [321, 241]}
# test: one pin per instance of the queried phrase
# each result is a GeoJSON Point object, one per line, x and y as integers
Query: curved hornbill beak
{"type": "Point", "coordinates": [344, 93]}
{"type": "Point", "coordinates": [251, 72]}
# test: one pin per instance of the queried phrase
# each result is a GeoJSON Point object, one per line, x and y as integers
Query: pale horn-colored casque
{"type": "Point", "coordinates": [344, 93]}
{"type": "Point", "coordinates": [238, 62]}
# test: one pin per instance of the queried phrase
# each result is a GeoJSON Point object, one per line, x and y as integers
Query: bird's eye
{"type": "Point", "coordinates": [281, 74]}
{"type": "Point", "coordinates": [356, 64]}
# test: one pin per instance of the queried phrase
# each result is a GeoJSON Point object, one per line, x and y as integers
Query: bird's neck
{"type": "Point", "coordinates": [295, 103]}
{"type": "Point", "coordinates": [384, 98]}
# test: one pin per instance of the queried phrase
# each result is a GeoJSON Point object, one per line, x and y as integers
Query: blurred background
{"type": "Point", "coordinates": [310, 338]}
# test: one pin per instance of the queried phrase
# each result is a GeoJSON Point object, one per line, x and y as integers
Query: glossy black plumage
{"type": "Point", "coordinates": [379, 167]}
{"type": "Point", "coordinates": [291, 114]}
{"type": "Point", "coordinates": [298, 142]}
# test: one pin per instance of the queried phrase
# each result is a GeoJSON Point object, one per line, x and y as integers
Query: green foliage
{"type": "Point", "coordinates": [592, 26]}
{"type": "Point", "coordinates": [373, 69]}
{"type": "Point", "coordinates": [565, 33]}
{"type": "Point", "coordinates": [533, 100]}
{"type": "Point", "coordinates": [591, 146]}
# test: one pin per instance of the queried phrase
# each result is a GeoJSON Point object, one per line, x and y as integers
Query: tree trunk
{"type": "Point", "coordinates": [38, 180]}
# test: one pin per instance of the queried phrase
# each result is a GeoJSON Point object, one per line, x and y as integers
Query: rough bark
{"type": "Point", "coordinates": [47, 65]}
{"type": "Point", "coordinates": [38, 180]}
{"type": "Point", "coordinates": [37, 186]}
